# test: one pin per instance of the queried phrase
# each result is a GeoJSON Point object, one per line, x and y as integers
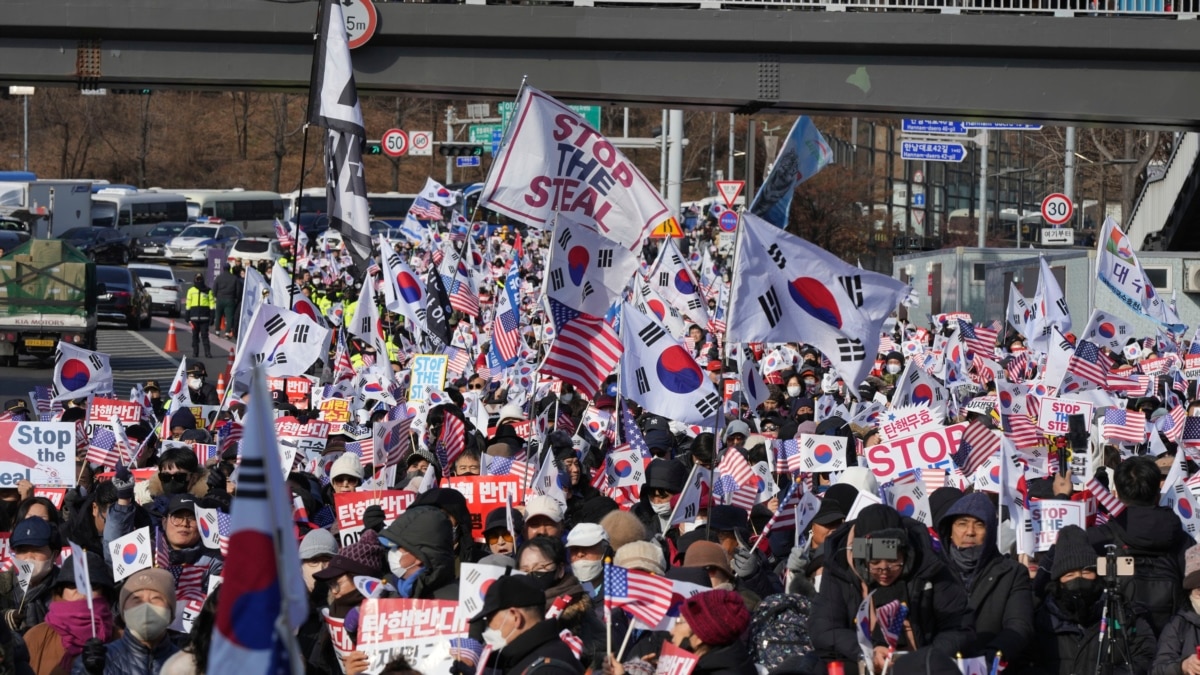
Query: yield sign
{"type": "Point", "coordinates": [730, 189]}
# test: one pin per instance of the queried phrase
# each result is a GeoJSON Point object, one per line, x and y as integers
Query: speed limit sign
{"type": "Point", "coordinates": [394, 142]}
{"type": "Point", "coordinates": [1057, 209]}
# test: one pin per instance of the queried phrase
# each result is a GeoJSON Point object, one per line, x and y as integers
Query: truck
{"type": "Point", "coordinates": [48, 206]}
{"type": "Point", "coordinates": [48, 293]}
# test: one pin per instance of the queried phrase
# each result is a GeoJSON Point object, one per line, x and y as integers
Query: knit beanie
{"type": "Point", "coordinates": [1191, 568]}
{"type": "Point", "coordinates": [641, 555]}
{"type": "Point", "coordinates": [718, 618]}
{"type": "Point", "coordinates": [1072, 552]}
{"type": "Point", "coordinates": [365, 557]}
{"type": "Point", "coordinates": [707, 554]}
{"type": "Point", "coordinates": [154, 579]}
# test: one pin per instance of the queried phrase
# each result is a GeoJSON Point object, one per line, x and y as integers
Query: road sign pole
{"type": "Point", "coordinates": [983, 169]}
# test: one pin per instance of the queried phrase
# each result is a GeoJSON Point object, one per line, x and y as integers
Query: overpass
{"type": "Point", "coordinates": [1101, 70]}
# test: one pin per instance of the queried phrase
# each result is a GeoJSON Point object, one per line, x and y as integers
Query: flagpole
{"type": "Point", "coordinates": [503, 143]}
{"type": "Point", "coordinates": [299, 204]}
{"type": "Point", "coordinates": [686, 484]}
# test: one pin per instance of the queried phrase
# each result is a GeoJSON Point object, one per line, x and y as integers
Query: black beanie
{"type": "Point", "coordinates": [1072, 552]}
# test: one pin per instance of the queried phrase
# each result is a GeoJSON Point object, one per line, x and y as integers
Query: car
{"type": "Point", "coordinates": [166, 290]}
{"type": "Point", "coordinates": [256, 250]}
{"type": "Point", "coordinates": [101, 244]}
{"type": "Point", "coordinates": [123, 297]}
{"type": "Point", "coordinates": [10, 240]}
{"type": "Point", "coordinates": [155, 241]}
{"type": "Point", "coordinates": [192, 244]}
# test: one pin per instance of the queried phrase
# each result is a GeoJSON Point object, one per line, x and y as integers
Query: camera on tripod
{"type": "Point", "coordinates": [1121, 566]}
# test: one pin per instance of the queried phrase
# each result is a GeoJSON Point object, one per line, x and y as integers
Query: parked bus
{"type": "Point", "coordinates": [253, 211]}
{"type": "Point", "coordinates": [389, 206]}
{"type": "Point", "coordinates": [136, 211]}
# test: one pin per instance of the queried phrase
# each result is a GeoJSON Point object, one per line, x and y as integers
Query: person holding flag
{"type": "Point", "coordinates": [56, 643]}
{"type": "Point", "coordinates": [512, 622]}
{"type": "Point", "coordinates": [147, 606]}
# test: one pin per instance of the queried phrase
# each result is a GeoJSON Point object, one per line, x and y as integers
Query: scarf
{"type": "Point", "coordinates": [967, 561]}
{"type": "Point", "coordinates": [73, 623]}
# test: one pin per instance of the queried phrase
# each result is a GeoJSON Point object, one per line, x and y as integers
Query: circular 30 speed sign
{"type": "Point", "coordinates": [1057, 209]}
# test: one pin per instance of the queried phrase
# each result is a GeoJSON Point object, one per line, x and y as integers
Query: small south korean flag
{"type": "Point", "coordinates": [131, 553]}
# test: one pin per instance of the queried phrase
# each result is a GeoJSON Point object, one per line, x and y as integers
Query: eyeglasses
{"type": "Point", "coordinates": [182, 518]}
{"type": "Point", "coordinates": [477, 387]}
{"type": "Point", "coordinates": [499, 536]}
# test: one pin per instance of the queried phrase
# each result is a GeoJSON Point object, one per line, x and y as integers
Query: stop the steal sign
{"type": "Point", "coordinates": [42, 453]}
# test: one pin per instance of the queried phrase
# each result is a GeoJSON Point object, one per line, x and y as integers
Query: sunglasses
{"type": "Point", "coordinates": [179, 477]}
{"type": "Point", "coordinates": [502, 536]}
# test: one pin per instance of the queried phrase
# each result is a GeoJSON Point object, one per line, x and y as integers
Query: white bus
{"type": "Point", "coordinates": [389, 206]}
{"type": "Point", "coordinates": [253, 211]}
{"type": "Point", "coordinates": [136, 211]}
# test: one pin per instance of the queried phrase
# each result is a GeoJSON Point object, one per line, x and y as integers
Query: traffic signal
{"type": "Point", "coordinates": [460, 150]}
{"type": "Point", "coordinates": [374, 148]}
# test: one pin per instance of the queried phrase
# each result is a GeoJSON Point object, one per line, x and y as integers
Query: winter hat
{"type": "Point", "coordinates": [623, 527]}
{"type": "Point", "coordinates": [424, 531]}
{"type": "Point", "coordinates": [317, 543]}
{"type": "Point", "coordinates": [99, 574]}
{"type": "Point", "coordinates": [708, 554]}
{"type": "Point", "coordinates": [667, 474]}
{"type": "Point", "coordinates": [1191, 568]}
{"type": "Point", "coordinates": [1072, 552]}
{"type": "Point", "coordinates": [595, 509]}
{"type": "Point", "coordinates": [511, 411]}
{"type": "Point", "coordinates": [641, 555]}
{"type": "Point", "coordinates": [941, 499]}
{"type": "Point", "coordinates": [543, 505]}
{"type": "Point", "coordinates": [347, 465]}
{"type": "Point", "coordinates": [659, 439]}
{"type": "Point", "coordinates": [807, 427]}
{"type": "Point", "coordinates": [735, 428]}
{"type": "Point", "coordinates": [718, 618]}
{"type": "Point", "coordinates": [154, 579]}
{"type": "Point", "coordinates": [365, 557]}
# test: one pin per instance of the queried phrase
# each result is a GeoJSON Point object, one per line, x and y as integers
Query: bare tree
{"type": "Point", "coordinates": [828, 211]}
{"type": "Point", "coordinates": [243, 106]}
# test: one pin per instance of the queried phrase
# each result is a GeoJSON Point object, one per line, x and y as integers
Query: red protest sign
{"type": "Point", "coordinates": [55, 495]}
{"type": "Point", "coordinates": [485, 493]}
{"type": "Point", "coordinates": [394, 626]}
{"type": "Point", "coordinates": [932, 446]}
{"type": "Point", "coordinates": [349, 507]}
{"type": "Point", "coordinates": [103, 409]}
{"type": "Point", "coordinates": [675, 661]}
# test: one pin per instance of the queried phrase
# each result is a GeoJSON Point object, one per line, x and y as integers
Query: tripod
{"type": "Point", "coordinates": [1114, 645]}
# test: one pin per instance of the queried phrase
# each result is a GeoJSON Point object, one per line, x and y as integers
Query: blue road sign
{"type": "Point", "coordinates": [728, 221]}
{"type": "Point", "coordinates": [1001, 126]}
{"type": "Point", "coordinates": [497, 135]}
{"type": "Point", "coordinates": [933, 152]}
{"type": "Point", "coordinates": [932, 127]}
{"type": "Point", "coordinates": [461, 162]}
{"type": "Point", "coordinates": [918, 199]}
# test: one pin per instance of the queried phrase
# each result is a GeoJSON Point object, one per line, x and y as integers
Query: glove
{"type": "Point", "coordinates": [744, 563]}
{"type": "Point", "coordinates": [13, 619]}
{"type": "Point", "coordinates": [373, 517]}
{"type": "Point", "coordinates": [123, 481]}
{"type": "Point", "coordinates": [797, 559]}
{"type": "Point", "coordinates": [94, 656]}
{"type": "Point", "coordinates": [216, 481]}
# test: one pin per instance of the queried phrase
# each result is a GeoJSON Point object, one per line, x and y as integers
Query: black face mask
{"type": "Point", "coordinates": [806, 417]}
{"type": "Point", "coordinates": [1077, 599]}
{"type": "Point", "coordinates": [544, 580]}
{"type": "Point", "coordinates": [174, 484]}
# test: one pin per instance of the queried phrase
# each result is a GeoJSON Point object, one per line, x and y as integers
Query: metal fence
{"type": "Point", "coordinates": [1176, 9]}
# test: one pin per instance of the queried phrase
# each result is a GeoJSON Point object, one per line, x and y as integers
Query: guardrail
{"type": "Point", "coordinates": [1175, 9]}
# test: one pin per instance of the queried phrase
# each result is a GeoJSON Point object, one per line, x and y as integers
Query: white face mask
{"type": "Point", "coordinates": [894, 368]}
{"type": "Point", "coordinates": [662, 509]}
{"type": "Point", "coordinates": [393, 560]}
{"type": "Point", "coordinates": [1195, 602]}
{"type": "Point", "coordinates": [195, 383]}
{"type": "Point", "coordinates": [567, 398]}
{"type": "Point", "coordinates": [148, 622]}
{"type": "Point", "coordinates": [684, 528]}
{"type": "Point", "coordinates": [810, 382]}
{"type": "Point", "coordinates": [495, 639]}
{"type": "Point", "coordinates": [586, 570]}
{"type": "Point", "coordinates": [795, 391]}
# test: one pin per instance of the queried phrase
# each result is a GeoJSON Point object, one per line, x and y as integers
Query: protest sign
{"type": "Point", "coordinates": [933, 446]}
{"type": "Point", "coordinates": [392, 627]}
{"type": "Point", "coordinates": [485, 493]}
{"type": "Point", "coordinates": [1191, 367]}
{"type": "Point", "coordinates": [55, 495]}
{"type": "Point", "coordinates": [1050, 516]}
{"type": "Point", "coordinates": [675, 661]}
{"type": "Point", "coordinates": [427, 371]}
{"type": "Point", "coordinates": [42, 453]}
{"type": "Point", "coordinates": [349, 507]}
{"type": "Point", "coordinates": [296, 389]}
{"type": "Point", "coordinates": [343, 644]}
{"type": "Point", "coordinates": [1055, 413]}
{"type": "Point", "coordinates": [309, 439]}
{"type": "Point", "coordinates": [103, 409]}
{"type": "Point", "coordinates": [908, 420]}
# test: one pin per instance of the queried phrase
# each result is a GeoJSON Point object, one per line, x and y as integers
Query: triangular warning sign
{"type": "Point", "coordinates": [729, 190]}
{"type": "Point", "coordinates": [667, 228]}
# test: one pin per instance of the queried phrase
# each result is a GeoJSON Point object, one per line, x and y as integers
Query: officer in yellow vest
{"type": "Point", "coordinates": [200, 307]}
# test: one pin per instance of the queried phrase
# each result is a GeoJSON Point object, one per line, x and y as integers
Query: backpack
{"type": "Point", "coordinates": [779, 629]}
{"type": "Point", "coordinates": [1155, 589]}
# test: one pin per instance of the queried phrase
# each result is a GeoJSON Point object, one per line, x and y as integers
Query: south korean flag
{"type": "Point", "coordinates": [131, 553]}
{"type": "Point", "coordinates": [662, 376]}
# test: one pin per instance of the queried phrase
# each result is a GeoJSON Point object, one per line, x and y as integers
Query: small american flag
{"type": "Point", "coordinates": [459, 361]}
{"type": "Point", "coordinates": [373, 268]}
{"type": "Point", "coordinates": [979, 443]}
{"type": "Point", "coordinates": [787, 456]}
{"type": "Point", "coordinates": [1125, 426]}
{"type": "Point", "coordinates": [1021, 431]}
{"type": "Point", "coordinates": [452, 440]}
{"type": "Point", "coordinates": [1088, 363]}
{"type": "Point", "coordinates": [733, 465]}
{"type": "Point", "coordinates": [585, 351]}
{"type": "Point", "coordinates": [283, 234]}
{"type": "Point", "coordinates": [645, 596]}
{"type": "Point", "coordinates": [1191, 432]}
{"type": "Point", "coordinates": [633, 435]}
{"type": "Point", "coordinates": [891, 621]}
{"type": "Point", "coordinates": [976, 343]}
{"type": "Point", "coordinates": [1015, 367]}
{"type": "Point", "coordinates": [1106, 498]}
{"type": "Point", "coordinates": [783, 518]}
{"type": "Point", "coordinates": [205, 452]}
{"type": "Point", "coordinates": [1178, 418]}
{"type": "Point", "coordinates": [100, 450]}
{"type": "Point", "coordinates": [423, 209]}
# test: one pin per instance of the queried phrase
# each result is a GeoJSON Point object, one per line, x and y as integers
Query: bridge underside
{"type": "Point", "coordinates": [1139, 72]}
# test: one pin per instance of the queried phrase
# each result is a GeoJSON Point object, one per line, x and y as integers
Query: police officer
{"type": "Point", "coordinates": [200, 306]}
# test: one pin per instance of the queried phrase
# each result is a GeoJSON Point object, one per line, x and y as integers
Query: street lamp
{"type": "Point", "coordinates": [24, 93]}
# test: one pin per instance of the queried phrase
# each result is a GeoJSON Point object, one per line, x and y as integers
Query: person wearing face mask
{"type": "Point", "coordinates": [998, 586]}
{"type": "Point", "coordinates": [420, 554]}
{"type": "Point", "coordinates": [317, 550]}
{"type": "Point", "coordinates": [34, 543]}
{"type": "Point", "coordinates": [587, 546]}
{"type": "Point", "coordinates": [890, 557]}
{"type": "Point", "coordinates": [803, 409]}
{"type": "Point", "coordinates": [365, 557]}
{"type": "Point", "coordinates": [55, 643]}
{"type": "Point", "coordinates": [512, 622]}
{"type": "Point", "coordinates": [202, 393]}
{"type": "Point", "coordinates": [1067, 623]}
{"type": "Point", "coordinates": [147, 607]}
{"type": "Point", "coordinates": [664, 481]}
{"type": "Point", "coordinates": [1179, 641]}
{"type": "Point", "coordinates": [892, 367]}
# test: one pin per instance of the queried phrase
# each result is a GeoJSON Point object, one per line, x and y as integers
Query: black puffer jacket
{"type": "Point", "coordinates": [938, 610]}
{"type": "Point", "coordinates": [127, 656]}
{"type": "Point", "coordinates": [732, 659]}
{"type": "Point", "coordinates": [540, 641]}
{"type": "Point", "coordinates": [1063, 647]}
{"type": "Point", "coordinates": [999, 589]}
{"type": "Point", "coordinates": [1178, 641]}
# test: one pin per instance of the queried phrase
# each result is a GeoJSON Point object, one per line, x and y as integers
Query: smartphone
{"type": "Point", "coordinates": [1124, 566]}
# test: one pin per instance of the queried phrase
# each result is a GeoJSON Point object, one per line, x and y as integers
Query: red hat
{"type": "Point", "coordinates": [717, 617]}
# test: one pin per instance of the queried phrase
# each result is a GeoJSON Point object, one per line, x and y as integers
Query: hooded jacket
{"type": "Point", "coordinates": [1179, 640]}
{"type": "Point", "coordinates": [425, 532]}
{"type": "Point", "coordinates": [999, 591]}
{"type": "Point", "coordinates": [1063, 647]}
{"type": "Point", "coordinates": [938, 609]}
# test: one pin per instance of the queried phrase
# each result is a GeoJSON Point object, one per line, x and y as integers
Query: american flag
{"type": "Point", "coordinates": [459, 361]}
{"type": "Point", "coordinates": [887, 343]}
{"type": "Point", "coordinates": [783, 518]}
{"type": "Point", "coordinates": [205, 452]}
{"type": "Point", "coordinates": [364, 448]}
{"type": "Point", "coordinates": [979, 443]}
{"type": "Point", "coordinates": [787, 456]}
{"type": "Point", "coordinates": [423, 209]}
{"type": "Point", "coordinates": [101, 450]}
{"type": "Point", "coordinates": [977, 339]}
{"type": "Point", "coordinates": [1178, 418]}
{"type": "Point", "coordinates": [1124, 426]}
{"type": "Point", "coordinates": [734, 466]}
{"type": "Point", "coordinates": [1104, 497]}
{"type": "Point", "coordinates": [1191, 432]}
{"type": "Point", "coordinates": [284, 234]}
{"type": "Point", "coordinates": [633, 435]}
{"type": "Point", "coordinates": [1088, 363]}
{"type": "Point", "coordinates": [891, 621]}
{"type": "Point", "coordinates": [1022, 432]}
{"type": "Point", "coordinates": [585, 351]}
{"type": "Point", "coordinates": [162, 557]}
{"type": "Point", "coordinates": [462, 296]}
{"type": "Point", "coordinates": [1015, 367]}
{"type": "Point", "coordinates": [452, 440]}
{"type": "Point", "coordinates": [228, 436]}
{"type": "Point", "coordinates": [645, 596]}
{"type": "Point", "coordinates": [506, 327]}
